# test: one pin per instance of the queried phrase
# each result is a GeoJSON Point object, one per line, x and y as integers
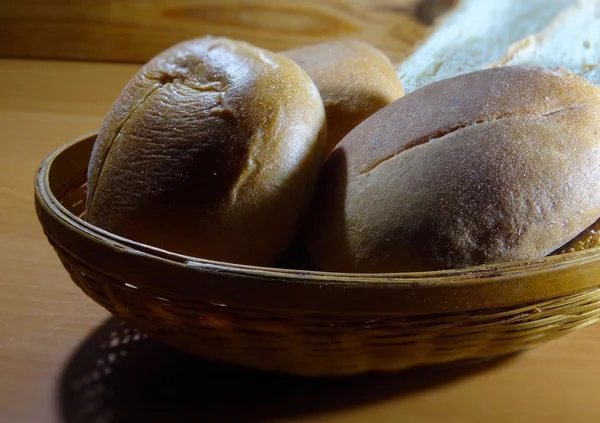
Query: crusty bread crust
{"type": "Point", "coordinates": [354, 78]}
{"type": "Point", "coordinates": [211, 150]}
{"type": "Point", "coordinates": [496, 165]}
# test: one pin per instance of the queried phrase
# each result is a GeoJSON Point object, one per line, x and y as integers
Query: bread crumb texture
{"type": "Point", "coordinates": [474, 35]}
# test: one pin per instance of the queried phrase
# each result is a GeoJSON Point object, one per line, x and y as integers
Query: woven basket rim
{"type": "Point", "coordinates": [262, 317]}
{"type": "Point", "coordinates": [437, 278]}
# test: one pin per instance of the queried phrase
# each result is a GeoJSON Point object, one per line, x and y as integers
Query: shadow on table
{"type": "Point", "coordinates": [119, 375]}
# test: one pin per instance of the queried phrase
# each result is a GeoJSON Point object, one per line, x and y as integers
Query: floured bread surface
{"type": "Point", "coordinates": [496, 165]}
{"type": "Point", "coordinates": [474, 35]}
{"type": "Point", "coordinates": [212, 150]}
{"type": "Point", "coordinates": [571, 41]}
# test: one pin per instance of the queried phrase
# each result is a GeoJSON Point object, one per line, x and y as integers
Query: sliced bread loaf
{"type": "Point", "coordinates": [474, 35]}
{"type": "Point", "coordinates": [571, 41]}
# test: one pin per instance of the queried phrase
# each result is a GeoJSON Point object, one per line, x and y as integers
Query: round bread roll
{"type": "Point", "coordinates": [354, 78]}
{"type": "Point", "coordinates": [212, 150]}
{"type": "Point", "coordinates": [492, 166]}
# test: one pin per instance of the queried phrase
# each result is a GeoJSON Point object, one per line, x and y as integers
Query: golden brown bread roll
{"type": "Point", "coordinates": [354, 78]}
{"type": "Point", "coordinates": [496, 165]}
{"type": "Point", "coordinates": [212, 150]}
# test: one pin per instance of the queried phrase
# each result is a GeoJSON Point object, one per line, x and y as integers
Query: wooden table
{"type": "Point", "coordinates": [55, 356]}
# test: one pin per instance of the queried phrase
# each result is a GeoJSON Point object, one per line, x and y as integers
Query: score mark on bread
{"type": "Point", "coordinates": [212, 150]}
{"type": "Point", "coordinates": [496, 165]}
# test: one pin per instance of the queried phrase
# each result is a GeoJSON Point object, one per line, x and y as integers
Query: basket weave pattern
{"type": "Point", "coordinates": [333, 344]}
{"type": "Point", "coordinates": [524, 308]}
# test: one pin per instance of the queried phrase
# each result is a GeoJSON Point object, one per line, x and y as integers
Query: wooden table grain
{"type": "Point", "coordinates": [135, 30]}
{"type": "Point", "coordinates": [50, 331]}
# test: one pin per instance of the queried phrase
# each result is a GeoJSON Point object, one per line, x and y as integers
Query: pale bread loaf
{"type": "Point", "coordinates": [571, 41]}
{"type": "Point", "coordinates": [474, 35]}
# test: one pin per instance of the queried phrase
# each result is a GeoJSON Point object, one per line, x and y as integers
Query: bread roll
{"type": "Point", "coordinates": [496, 165]}
{"type": "Point", "coordinates": [212, 150]}
{"type": "Point", "coordinates": [354, 78]}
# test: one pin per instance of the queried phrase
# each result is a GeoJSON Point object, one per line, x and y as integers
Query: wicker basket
{"type": "Point", "coordinates": [311, 323]}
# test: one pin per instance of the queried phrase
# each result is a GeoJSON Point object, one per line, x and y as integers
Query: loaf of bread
{"type": "Point", "coordinates": [212, 150]}
{"type": "Point", "coordinates": [474, 35]}
{"type": "Point", "coordinates": [571, 41]}
{"type": "Point", "coordinates": [496, 165]}
{"type": "Point", "coordinates": [354, 78]}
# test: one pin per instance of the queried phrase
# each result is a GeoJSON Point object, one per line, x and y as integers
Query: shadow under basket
{"type": "Point", "coordinates": [308, 322]}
